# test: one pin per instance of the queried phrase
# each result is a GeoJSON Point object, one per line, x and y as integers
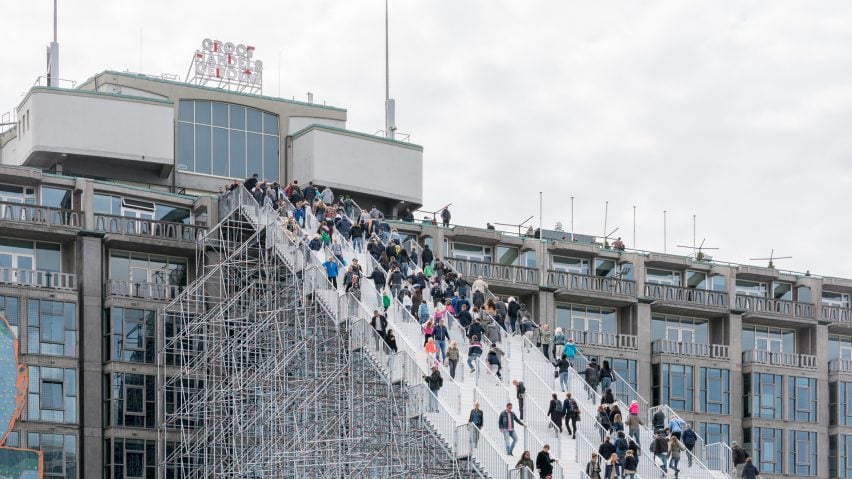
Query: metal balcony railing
{"type": "Point", "coordinates": [608, 340]}
{"type": "Point", "coordinates": [775, 306]}
{"type": "Point", "coordinates": [837, 314]}
{"type": "Point", "coordinates": [584, 282]}
{"type": "Point", "coordinates": [680, 294]}
{"type": "Point", "coordinates": [790, 360]}
{"type": "Point", "coordinates": [151, 228]}
{"type": "Point", "coordinates": [494, 271]}
{"type": "Point", "coordinates": [41, 214]}
{"type": "Point", "coordinates": [142, 290]}
{"type": "Point", "coordinates": [38, 279]}
{"type": "Point", "coordinates": [681, 348]}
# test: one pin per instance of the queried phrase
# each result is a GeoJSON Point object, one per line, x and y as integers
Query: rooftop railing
{"type": "Point", "coordinates": [775, 306]}
{"type": "Point", "coordinates": [837, 314]}
{"type": "Point", "coordinates": [494, 271]}
{"type": "Point", "coordinates": [151, 228]}
{"type": "Point", "coordinates": [585, 282]}
{"type": "Point", "coordinates": [47, 215]}
{"type": "Point", "coordinates": [680, 294]}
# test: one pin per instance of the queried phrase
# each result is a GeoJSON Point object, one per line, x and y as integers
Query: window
{"type": "Point", "coordinates": [471, 252]}
{"type": "Point", "coordinates": [715, 391]}
{"type": "Point", "coordinates": [129, 335]}
{"type": "Point", "coordinates": [674, 386]}
{"type": "Point", "coordinates": [840, 456]}
{"type": "Point", "coordinates": [9, 309]}
{"type": "Point", "coordinates": [129, 458]}
{"type": "Point", "coordinates": [131, 208]}
{"type": "Point", "coordinates": [582, 318]}
{"type": "Point", "coordinates": [507, 256]}
{"type": "Point", "coordinates": [51, 328]}
{"type": "Point", "coordinates": [696, 280]}
{"type": "Point", "coordinates": [528, 259]}
{"type": "Point", "coordinates": [775, 340]}
{"type": "Point", "coordinates": [17, 194]}
{"type": "Point", "coordinates": [56, 197]}
{"type": "Point", "coordinates": [24, 256]}
{"type": "Point", "coordinates": [571, 265]}
{"type": "Point", "coordinates": [13, 439]}
{"type": "Point", "coordinates": [763, 395]}
{"type": "Point", "coordinates": [129, 400]}
{"type": "Point", "coordinates": [840, 300]}
{"type": "Point", "coordinates": [679, 328]}
{"type": "Point", "coordinates": [227, 140]}
{"type": "Point", "coordinates": [840, 347]}
{"type": "Point", "coordinates": [802, 397]}
{"type": "Point", "coordinates": [59, 454]}
{"type": "Point", "coordinates": [782, 291]}
{"type": "Point", "coordinates": [802, 448]}
{"type": "Point", "coordinates": [627, 369]}
{"type": "Point", "coordinates": [751, 288]}
{"type": "Point", "coordinates": [714, 432]}
{"type": "Point", "coordinates": [766, 448]}
{"type": "Point", "coordinates": [52, 395]}
{"type": "Point", "coordinates": [140, 268]}
{"type": "Point", "coordinates": [840, 403]}
{"type": "Point", "coordinates": [662, 276]}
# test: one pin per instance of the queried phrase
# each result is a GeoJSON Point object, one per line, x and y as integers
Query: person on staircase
{"type": "Point", "coordinates": [475, 329]}
{"type": "Point", "coordinates": [676, 426]}
{"type": "Point", "coordinates": [512, 310]}
{"type": "Point", "coordinates": [558, 344]}
{"type": "Point", "coordinates": [434, 381]}
{"type": "Point", "coordinates": [477, 418]}
{"type": "Point", "coordinates": [689, 439]}
{"type": "Point", "coordinates": [739, 457]}
{"type": "Point", "coordinates": [571, 411]}
{"type": "Point", "coordinates": [521, 393]}
{"type": "Point", "coordinates": [570, 350]}
{"type": "Point", "coordinates": [544, 339]}
{"type": "Point", "coordinates": [525, 462]}
{"type": "Point", "coordinates": [631, 464]}
{"type": "Point", "coordinates": [603, 419]}
{"type": "Point", "coordinates": [660, 448]}
{"type": "Point", "coordinates": [502, 313]}
{"type": "Point", "coordinates": [441, 336]}
{"type": "Point", "coordinates": [633, 426]}
{"type": "Point", "coordinates": [493, 361]}
{"type": "Point", "coordinates": [658, 421]}
{"type": "Point", "coordinates": [564, 370]}
{"type": "Point", "coordinates": [480, 285]}
{"type": "Point", "coordinates": [607, 375]}
{"type": "Point", "coordinates": [379, 322]}
{"type": "Point", "coordinates": [474, 351]}
{"type": "Point", "coordinates": [555, 413]}
{"type": "Point", "coordinates": [592, 374]}
{"type": "Point", "coordinates": [453, 355]}
{"type": "Point", "coordinates": [331, 270]}
{"type": "Point", "coordinates": [492, 330]}
{"type": "Point", "coordinates": [390, 340]}
{"type": "Point", "coordinates": [674, 454]}
{"type": "Point", "coordinates": [621, 445]}
{"type": "Point", "coordinates": [614, 469]}
{"type": "Point", "coordinates": [593, 467]}
{"type": "Point", "coordinates": [606, 448]}
{"type": "Point", "coordinates": [506, 424]}
{"type": "Point", "coordinates": [544, 462]}
{"type": "Point", "coordinates": [464, 318]}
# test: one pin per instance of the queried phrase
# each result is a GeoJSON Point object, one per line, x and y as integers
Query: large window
{"type": "Point", "coordinates": [840, 347]}
{"type": "Point", "coordinates": [763, 395]}
{"type": "Point", "coordinates": [762, 338]}
{"type": "Point", "coordinates": [767, 450]}
{"type": "Point", "coordinates": [56, 197]}
{"type": "Point", "coordinates": [579, 317]}
{"type": "Point", "coordinates": [571, 265]}
{"type": "Point", "coordinates": [59, 454]}
{"type": "Point", "coordinates": [9, 309]}
{"type": "Point", "coordinates": [840, 456]}
{"type": "Point", "coordinates": [840, 403]}
{"type": "Point", "coordinates": [802, 447]}
{"type": "Point", "coordinates": [472, 252]}
{"type": "Point", "coordinates": [662, 276]}
{"type": "Point", "coordinates": [147, 268]}
{"type": "Point", "coordinates": [142, 209]}
{"type": "Point", "coordinates": [51, 328]}
{"type": "Point", "coordinates": [129, 335]}
{"type": "Point", "coordinates": [751, 288]}
{"type": "Point", "coordinates": [227, 140]}
{"type": "Point", "coordinates": [130, 458]}
{"type": "Point", "coordinates": [17, 194]}
{"type": "Point", "coordinates": [713, 432]}
{"type": "Point", "coordinates": [52, 395]}
{"type": "Point", "coordinates": [129, 400]}
{"type": "Point", "coordinates": [831, 298]}
{"type": "Point", "coordinates": [673, 385]}
{"type": "Point", "coordinates": [679, 328]}
{"type": "Point", "coordinates": [802, 399]}
{"type": "Point", "coordinates": [626, 368]}
{"type": "Point", "coordinates": [25, 256]}
{"type": "Point", "coordinates": [715, 391]}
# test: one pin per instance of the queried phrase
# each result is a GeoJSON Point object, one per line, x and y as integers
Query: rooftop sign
{"type": "Point", "coordinates": [226, 65]}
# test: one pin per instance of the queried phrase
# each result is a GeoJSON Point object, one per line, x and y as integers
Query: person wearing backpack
{"type": "Point", "coordinates": [739, 456]}
{"type": "Point", "coordinates": [689, 439]}
{"type": "Point", "coordinates": [423, 313]}
{"type": "Point", "coordinates": [603, 418]}
{"type": "Point", "coordinates": [434, 381]}
{"type": "Point", "coordinates": [660, 448]}
{"type": "Point", "coordinates": [571, 411]}
{"type": "Point", "coordinates": [592, 374]}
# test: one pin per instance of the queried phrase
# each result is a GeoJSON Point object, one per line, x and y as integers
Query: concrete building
{"type": "Point", "coordinates": [104, 190]}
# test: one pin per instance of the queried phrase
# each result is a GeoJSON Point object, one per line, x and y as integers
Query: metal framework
{"type": "Point", "coordinates": [260, 376]}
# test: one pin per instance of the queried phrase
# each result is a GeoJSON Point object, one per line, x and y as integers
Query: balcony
{"type": "Point", "coordinates": [837, 314]}
{"type": "Point", "coordinates": [494, 271]}
{"type": "Point", "coordinates": [789, 360]}
{"type": "Point", "coordinates": [38, 279]}
{"type": "Point", "coordinates": [772, 306]}
{"type": "Point", "coordinates": [840, 366]}
{"type": "Point", "coordinates": [696, 350]}
{"type": "Point", "coordinates": [678, 294]}
{"type": "Point", "coordinates": [584, 282]}
{"type": "Point", "coordinates": [163, 230]}
{"type": "Point", "coordinates": [44, 215]}
{"type": "Point", "coordinates": [139, 290]}
{"type": "Point", "coordinates": [606, 340]}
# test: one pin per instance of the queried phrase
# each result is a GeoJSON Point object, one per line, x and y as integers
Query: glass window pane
{"type": "Point", "coordinates": [202, 112]}
{"type": "Point", "coordinates": [203, 155]}
{"type": "Point", "coordinates": [238, 117]}
{"type": "Point", "coordinates": [220, 152]}
{"type": "Point", "coordinates": [51, 395]}
{"type": "Point", "coordinates": [186, 147]}
{"type": "Point", "coordinates": [48, 257]}
{"type": "Point", "coordinates": [220, 114]}
{"type": "Point", "coordinates": [56, 197]}
{"type": "Point", "coordinates": [270, 157]}
{"type": "Point", "coordinates": [238, 154]}
{"type": "Point", "coordinates": [185, 110]}
{"type": "Point", "coordinates": [255, 154]}
{"type": "Point", "coordinates": [270, 124]}
{"type": "Point", "coordinates": [254, 120]}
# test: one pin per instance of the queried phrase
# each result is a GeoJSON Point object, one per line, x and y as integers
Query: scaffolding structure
{"type": "Point", "coordinates": [260, 376]}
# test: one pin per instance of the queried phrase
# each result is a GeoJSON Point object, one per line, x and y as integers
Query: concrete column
{"type": "Point", "coordinates": [545, 303]}
{"type": "Point", "coordinates": [822, 399]}
{"type": "Point", "coordinates": [83, 188]}
{"type": "Point", "coordinates": [643, 361]}
{"type": "Point", "coordinates": [735, 349]}
{"type": "Point", "coordinates": [90, 290]}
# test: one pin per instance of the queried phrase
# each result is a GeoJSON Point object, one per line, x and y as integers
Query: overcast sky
{"type": "Point", "coordinates": [736, 111]}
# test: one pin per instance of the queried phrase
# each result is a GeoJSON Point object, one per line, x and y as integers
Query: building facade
{"type": "Point", "coordinates": [105, 189]}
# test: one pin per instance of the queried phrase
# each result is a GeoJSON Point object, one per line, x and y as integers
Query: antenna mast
{"type": "Point", "coordinates": [53, 54]}
{"type": "Point", "coordinates": [390, 106]}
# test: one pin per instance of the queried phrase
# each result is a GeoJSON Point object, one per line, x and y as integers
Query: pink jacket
{"type": "Point", "coordinates": [633, 408]}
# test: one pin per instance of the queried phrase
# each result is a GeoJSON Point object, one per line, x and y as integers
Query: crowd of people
{"type": "Point", "coordinates": [417, 279]}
